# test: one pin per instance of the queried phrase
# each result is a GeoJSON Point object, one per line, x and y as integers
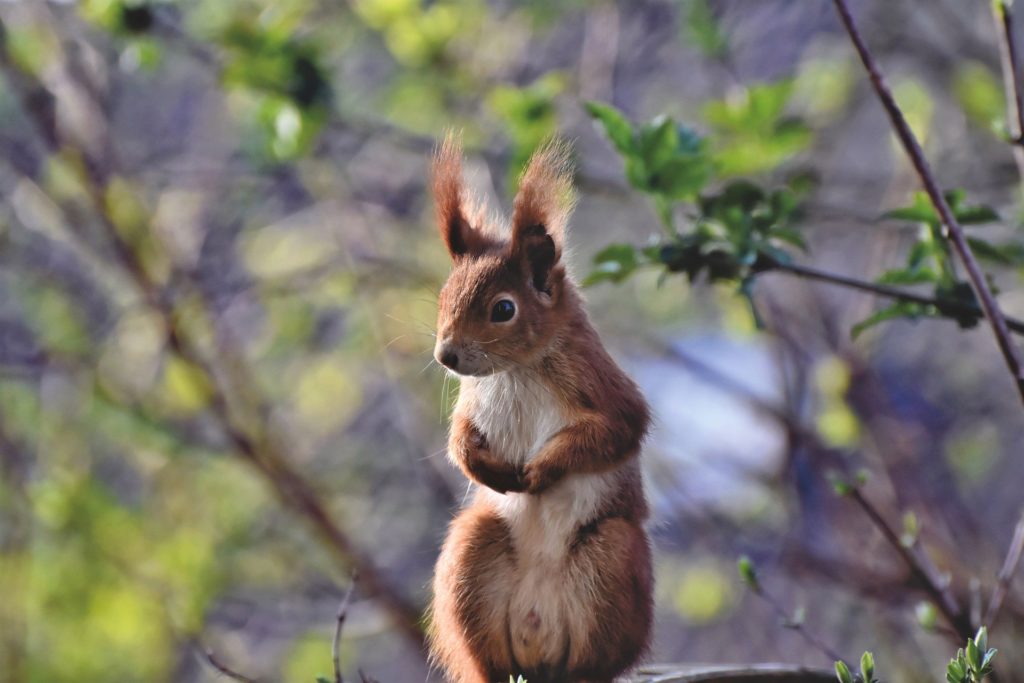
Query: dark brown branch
{"type": "Point", "coordinates": [1006, 573]}
{"type": "Point", "coordinates": [953, 232]}
{"type": "Point", "coordinates": [889, 292]}
{"type": "Point", "coordinates": [225, 670]}
{"type": "Point", "coordinates": [920, 565]}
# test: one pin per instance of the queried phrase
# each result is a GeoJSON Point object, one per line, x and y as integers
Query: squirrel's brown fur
{"type": "Point", "coordinates": [547, 573]}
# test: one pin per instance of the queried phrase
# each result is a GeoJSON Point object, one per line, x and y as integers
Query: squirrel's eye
{"type": "Point", "coordinates": [503, 311]}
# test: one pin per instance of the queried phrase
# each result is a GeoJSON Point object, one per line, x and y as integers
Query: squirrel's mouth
{"type": "Point", "coordinates": [483, 371]}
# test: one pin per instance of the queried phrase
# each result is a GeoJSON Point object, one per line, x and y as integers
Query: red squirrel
{"type": "Point", "coordinates": [547, 572]}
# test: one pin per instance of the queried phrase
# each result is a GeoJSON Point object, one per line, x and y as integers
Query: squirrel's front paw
{"type": "Point", "coordinates": [539, 479]}
{"type": "Point", "coordinates": [497, 474]}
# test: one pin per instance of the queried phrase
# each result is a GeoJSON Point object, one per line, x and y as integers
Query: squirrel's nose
{"type": "Point", "coordinates": [450, 359]}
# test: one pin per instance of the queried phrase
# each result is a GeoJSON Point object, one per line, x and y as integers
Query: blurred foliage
{"type": "Point", "coordinates": [260, 167]}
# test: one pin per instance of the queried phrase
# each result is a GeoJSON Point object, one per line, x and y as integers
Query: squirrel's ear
{"type": "Point", "coordinates": [459, 236]}
{"type": "Point", "coordinates": [541, 211]}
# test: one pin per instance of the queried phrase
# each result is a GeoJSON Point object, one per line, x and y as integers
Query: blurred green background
{"type": "Point", "coordinates": [218, 272]}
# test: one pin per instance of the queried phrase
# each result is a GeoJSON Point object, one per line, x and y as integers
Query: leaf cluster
{"type": "Point", "coordinates": [734, 233]}
{"type": "Point", "coordinates": [973, 662]}
{"type": "Point", "coordinates": [744, 228]}
{"type": "Point", "coordinates": [970, 665]}
{"type": "Point", "coordinates": [930, 261]}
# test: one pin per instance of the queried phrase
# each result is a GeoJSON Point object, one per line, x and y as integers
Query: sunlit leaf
{"type": "Point", "coordinates": [615, 126]}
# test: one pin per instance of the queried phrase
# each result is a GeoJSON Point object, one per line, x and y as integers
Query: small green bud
{"type": "Point", "coordinates": [910, 530]}
{"type": "Point", "coordinates": [843, 672]}
{"type": "Point", "coordinates": [926, 614]}
{"type": "Point", "coordinates": [867, 667]}
{"type": "Point", "coordinates": [861, 477]}
{"type": "Point", "coordinates": [748, 573]}
{"type": "Point", "coordinates": [840, 485]}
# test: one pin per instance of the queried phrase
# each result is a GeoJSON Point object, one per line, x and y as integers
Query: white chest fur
{"type": "Point", "coordinates": [518, 415]}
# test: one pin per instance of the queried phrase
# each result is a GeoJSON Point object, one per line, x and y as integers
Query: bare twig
{"type": "Point", "coordinates": [342, 614]}
{"type": "Point", "coordinates": [953, 232]}
{"type": "Point", "coordinates": [1011, 70]}
{"type": "Point", "coordinates": [797, 625]}
{"type": "Point", "coordinates": [921, 566]}
{"type": "Point", "coordinates": [224, 669]}
{"type": "Point", "coordinates": [1006, 573]}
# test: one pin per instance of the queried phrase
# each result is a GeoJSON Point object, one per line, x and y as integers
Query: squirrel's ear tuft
{"type": "Point", "coordinates": [449, 196]}
{"type": "Point", "coordinates": [540, 213]}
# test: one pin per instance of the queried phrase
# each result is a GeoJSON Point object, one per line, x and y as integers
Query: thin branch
{"type": "Point", "coordinates": [920, 565]}
{"type": "Point", "coordinates": [342, 614]}
{"type": "Point", "coordinates": [953, 232]}
{"type": "Point", "coordinates": [1011, 70]}
{"type": "Point", "coordinates": [787, 621]}
{"type": "Point", "coordinates": [889, 292]}
{"type": "Point", "coordinates": [1006, 573]}
{"type": "Point", "coordinates": [224, 669]}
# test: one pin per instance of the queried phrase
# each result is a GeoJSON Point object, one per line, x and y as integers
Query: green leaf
{"type": "Point", "coordinates": [1007, 253]}
{"type": "Point", "coordinates": [704, 30]}
{"type": "Point", "coordinates": [673, 158]}
{"type": "Point", "coordinates": [974, 215]}
{"type": "Point", "coordinates": [973, 656]}
{"type": "Point", "coordinates": [907, 276]}
{"type": "Point", "coordinates": [979, 93]}
{"type": "Point", "coordinates": [681, 177]}
{"type": "Point", "coordinates": [614, 263]}
{"type": "Point", "coordinates": [986, 661]}
{"type": "Point", "coordinates": [981, 639]}
{"type": "Point", "coordinates": [790, 236]}
{"type": "Point", "coordinates": [843, 672]}
{"type": "Point", "coordinates": [658, 141]}
{"type": "Point", "coordinates": [901, 309]}
{"type": "Point", "coordinates": [751, 134]}
{"type": "Point", "coordinates": [956, 671]}
{"type": "Point", "coordinates": [615, 125]}
{"type": "Point", "coordinates": [921, 211]}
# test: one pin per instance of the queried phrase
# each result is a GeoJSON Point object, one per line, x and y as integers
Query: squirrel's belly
{"type": "Point", "coordinates": [549, 607]}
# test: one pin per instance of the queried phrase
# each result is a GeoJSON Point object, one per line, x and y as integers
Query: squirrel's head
{"type": "Point", "coordinates": [507, 294]}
